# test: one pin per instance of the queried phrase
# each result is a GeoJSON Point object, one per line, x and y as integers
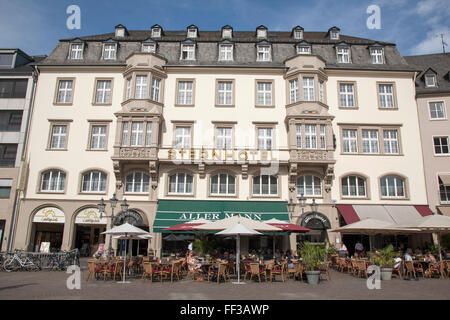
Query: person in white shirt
{"type": "Point", "coordinates": [407, 256]}
{"type": "Point", "coordinates": [359, 248]}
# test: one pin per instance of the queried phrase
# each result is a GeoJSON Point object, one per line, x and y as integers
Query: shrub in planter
{"type": "Point", "coordinates": [385, 260]}
{"type": "Point", "coordinates": [313, 258]}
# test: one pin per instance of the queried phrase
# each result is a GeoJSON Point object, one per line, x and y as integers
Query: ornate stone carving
{"type": "Point", "coordinates": [201, 170]}
{"type": "Point", "coordinates": [117, 174]}
{"type": "Point", "coordinates": [135, 153]}
{"type": "Point", "coordinates": [329, 176]}
{"type": "Point", "coordinates": [244, 171]}
{"type": "Point", "coordinates": [153, 170]}
{"type": "Point", "coordinates": [312, 155]}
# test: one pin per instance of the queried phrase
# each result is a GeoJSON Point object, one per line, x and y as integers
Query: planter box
{"type": "Point", "coordinates": [313, 277]}
{"type": "Point", "coordinates": [386, 273]}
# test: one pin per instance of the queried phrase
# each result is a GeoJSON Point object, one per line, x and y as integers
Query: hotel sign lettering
{"type": "Point", "coordinates": [49, 215]}
{"type": "Point", "coordinates": [217, 155]}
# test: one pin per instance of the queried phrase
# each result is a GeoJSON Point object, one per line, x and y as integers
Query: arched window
{"type": "Point", "coordinates": [181, 183]}
{"type": "Point", "coordinates": [265, 185]}
{"type": "Point", "coordinates": [93, 181]}
{"type": "Point", "coordinates": [53, 181]}
{"type": "Point", "coordinates": [309, 185]}
{"type": "Point", "coordinates": [137, 182]}
{"type": "Point", "coordinates": [223, 184]}
{"type": "Point", "coordinates": [392, 187]}
{"type": "Point", "coordinates": [353, 186]}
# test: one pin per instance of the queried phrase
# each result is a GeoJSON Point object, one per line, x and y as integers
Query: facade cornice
{"type": "Point", "coordinates": [370, 72]}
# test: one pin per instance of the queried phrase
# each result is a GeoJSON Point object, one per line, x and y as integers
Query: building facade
{"type": "Point", "coordinates": [206, 124]}
{"type": "Point", "coordinates": [17, 81]}
{"type": "Point", "coordinates": [433, 99]}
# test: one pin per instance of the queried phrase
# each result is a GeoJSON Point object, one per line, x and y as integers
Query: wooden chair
{"type": "Point", "coordinates": [194, 271]}
{"type": "Point", "coordinates": [93, 268]}
{"type": "Point", "coordinates": [418, 267]}
{"type": "Point", "coordinates": [278, 269]}
{"type": "Point", "coordinates": [409, 266]}
{"type": "Point", "coordinates": [446, 268]}
{"type": "Point", "coordinates": [435, 269]}
{"type": "Point", "coordinates": [222, 272]}
{"type": "Point", "coordinates": [398, 270]}
{"type": "Point", "coordinates": [292, 271]}
{"type": "Point", "coordinates": [361, 268]}
{"type": "Point", "coordinates": [325, 269]}
{"type": "Point", "coordinates": [150, 269]}
{"type": "Point", "coordinates": [113, 269]}
{"type": "Point", "coordinates": [255, 270]}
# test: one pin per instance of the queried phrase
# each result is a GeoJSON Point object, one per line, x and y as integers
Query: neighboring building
{"type": "Point", "coordinates": [205, 124]}
{"type": "Point", "coordinates": [433, 101]}
{"type": "Point", "coordinates": [17, 81]}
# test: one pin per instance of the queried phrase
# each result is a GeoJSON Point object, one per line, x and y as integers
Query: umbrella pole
{"type": "Point", "coordinates": [439, 246]}
{"type": "Point", "coordinates": [273, 243]}
{"type": "Point", "coordinates": [238, 258]}
{"type": "Point", "coordinates": [370, 242]}
{"type": "Point", "coordinates": [125, 262]}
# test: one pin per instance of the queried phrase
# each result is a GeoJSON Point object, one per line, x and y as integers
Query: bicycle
{"type": "Point", "coordinates": [15, 263]}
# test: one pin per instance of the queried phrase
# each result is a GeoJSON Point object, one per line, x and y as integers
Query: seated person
{"type": "Point", "coordinates": [408, 255]}
{"type": "Point", "coordinates": [430, 258]}
{"type": "Point", "coordinates": [289, 259]}
{"type": "Point", "coordinates": [397, 261]}
{"type": "Point", "coordinates": [193, 263]}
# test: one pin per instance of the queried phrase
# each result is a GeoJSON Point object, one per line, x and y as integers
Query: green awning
{"type": "Point", "coordinates": [173, 212]}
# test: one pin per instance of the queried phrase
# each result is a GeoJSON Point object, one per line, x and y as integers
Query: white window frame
{"type": "Point", "coordinates": [390, 141]}
{"type": "Point", "coordinates": [298, 135]}
{"type": "Point", "coordinates": [396, 189]}
{"type": "Point", "coordinates": [347, 95]}
{"type": "Point", "coordinates": [321, 92]}
{"type": "Point", "coordinates": [227, 33]}
{"type": "Point", "coordinates": [265, 136]}
{"type": "Point", "coordinates": [125, 133]}
{"type": "Point", "coordinates": [109, 51]}
{"type": "Point", "coordinates": [128, 89]}
{"type": "Point", "coordinates": [185, 183]}
{"type": "Point", "coordinates": [224, 137]}
{"type": "Point", "coordinates": [308, 89]}
{"type": "Point", "coordinates": [64, 94]}
{"type": "Point", "coordinates": [156, 32]}
{"type": "Point", "coordinates": [263, 53]}
{"type": "Point", "coordinates": [264, 93]}
{"type": "Point", "coordinates": [322, 137]}
{"type": "Point", "coordinates": [61, 137]}
{"type": "Point", "coordinates": [137, 134]}
{"type": "Point", "coordinates": [293, 91]}
{"type": "Point", "coordinates": [310, 136]}
{"type": "Point", "coordinates": [334, 35]}
{"type": "Point", "coordinates": [156, 89]}
{"type": "Point", "coordinates": [98, 138]}
{"type": "Point", "coordinates": [427, 83]}
{"type": "Point", "coordinates": [436, 111]}
{"type": "Point", "coordinates": [316, 190]}
{"type": "Point", "coordinates": [184, 91]}
{"type": "Point", "coordinates": [182, 138]}
{"type": "Point", "coordinates": [377, 55]}
{"type": "Point", "coordinates": [140, 88]}
{"type": "Point", "coordinates": [356, 187]}
{"type": "Point", "coordinates": [225, 92]}
{"type": "Point", "coordinates": [76, 53]}
{"type": "Point", "coordinates": [59, 181]}
{"type": "Point", "coordinates": [303, 49]}
{"type": "Point", "coordinates": [372, 142]}
{"type": "Point", "coordinates": [226, 52]}
{"type": "Point", "coordinates": [148, 134]}
{"type": "Point", "coordinates": [387, 99]}
{"type": "Point", "coordinates": [343, 54]}
{"type": "Point", "coordinates": [91, 189]}
{"type": "Point", "coordinates": [269, 186]}
{"type": "Point", "coordinates": [298, 34]}
{"type": "Point", "coordinates": [227, 185]}
{"type": "Point", "coordinates": [141, 186]}
{"type": "Point", "coordinates": [148, 48]}
{"type": "Point", "coordinates": [103, 94]}
{"type": "Point", "coordinates": [441, 146]}
{"type": "Point", "coordinates": [189, 49]}
{"type": "Point", "coordinates": [349, 140]}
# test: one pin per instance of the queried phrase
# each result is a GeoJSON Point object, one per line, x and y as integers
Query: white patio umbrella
{"type": "Point", "coordinates": [238, 229]}
{"type": "Point", "coordinates": [435, 223]}
{"type": "Point", "coordinates": [125, 231]}
{"type": "Point", "coordinates": [232, 221]}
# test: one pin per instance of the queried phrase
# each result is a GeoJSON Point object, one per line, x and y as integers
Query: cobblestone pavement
{"type": "Point", "coordinates": [52, 285]}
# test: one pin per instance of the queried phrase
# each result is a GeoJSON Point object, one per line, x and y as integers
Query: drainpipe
{"type": "Point", "coordinates": [12, 229]}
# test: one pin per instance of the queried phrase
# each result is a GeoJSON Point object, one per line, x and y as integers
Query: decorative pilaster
{"type": "Point", "coordinates": [117, 174]}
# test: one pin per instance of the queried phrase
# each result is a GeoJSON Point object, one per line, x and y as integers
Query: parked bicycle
{"type": "Point", "coordinates": [16, 262]}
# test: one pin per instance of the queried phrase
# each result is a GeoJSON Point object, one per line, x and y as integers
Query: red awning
{"type": "Point", "coordinates": [348, 213]}
{"type": "Point", "coordinates": [290, 227]}
{"type": "Point", "coordinates": [183, 227]}
{"type": "Point", "coordinates": [424, 210]}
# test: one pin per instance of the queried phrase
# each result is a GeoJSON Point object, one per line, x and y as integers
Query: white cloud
{"type": "Point", "coordinates": [432, 43]}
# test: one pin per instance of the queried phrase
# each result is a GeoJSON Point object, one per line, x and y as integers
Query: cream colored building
{"type": "Point", "coordinates": [190, 124]}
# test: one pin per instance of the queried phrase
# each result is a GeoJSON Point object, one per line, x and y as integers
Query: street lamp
{"type": "Point", "coordinates": [302, 204]}
{"type": "Point", "coordinates": [102, 206]}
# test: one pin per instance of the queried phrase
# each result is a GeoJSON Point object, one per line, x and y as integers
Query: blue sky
{"type": "Point", "coordinates": [415, 26]}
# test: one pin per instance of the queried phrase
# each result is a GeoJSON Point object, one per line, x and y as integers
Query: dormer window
{"type": "Point", "coordinates": [343, 54]}
{"type": "Point", "coordinates": [192, 33]}
{"type": "Point", "coordinates": [334, 35]}
{"type": "Point", "coordinates": [297, 32]}
{"type": "Point", "coordinates": [303, 50]}
{"type": "Point", "coordinates": [263, 53]}
{"type": "Point", "coordinates": [261, 32]}
{"type": "Point", "coordinates": [227, 33]}
{"type": "Point", "coordinates": [76, 51]}
{"type": "Point", "coordinates": [187, 52]}
{"type": "Point", "coordinates": [149, 47]}
{"type": "Point", "coordinates": [6, 60]}
{"type": "Point", "coordinates": [156, 32]}
{"type": "Point", "coordinates": [109, 51]}
{"type": "Point", "coordinates": [225, 52]}
{"type": "Point", "coordinates": [121, 31]}
{"type": "Point", "coordinates": [377, 55]}
{"type": "Point", "coordinates": [430, 80]}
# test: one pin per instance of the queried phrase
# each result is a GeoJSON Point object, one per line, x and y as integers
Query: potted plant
{"type": "Point", "coordinates": [385, 260]}
{"type": "Point", "coordinates": [313, 257]}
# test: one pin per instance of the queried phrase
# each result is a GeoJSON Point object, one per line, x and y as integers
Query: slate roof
{"type": "Point", "coordinates": [25, 68]}
{"type": "Point", "coordinates": [207, 52]}
{"type": "Point", "coordinates": [440, 63]}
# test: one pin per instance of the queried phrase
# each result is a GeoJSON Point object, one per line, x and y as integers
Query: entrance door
{"type": "Point", "coordinates": [2, 232]}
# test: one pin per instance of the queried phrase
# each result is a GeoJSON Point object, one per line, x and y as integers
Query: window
{"type": "Point", "coordinates": [377, 55]}
{"type": "Point", "coordinates": [310, 136]}
{"type": "Point", "coordinates": [309, 185]}
{"type": "Point", "coordinates": [226, 52]}
{"type": "Point", "coordinates": [263, 53]}
{"type": "Point", "coordinates": [265, 185]}
{"type": "Point", "coordinates": [137, 182]}
{"type": "Point", "coordinates": [181, 183]}
{"type": "Point", "coordinates": [185, 92]}
{"type": "Point", "coordinates": [293, 90]}
{"type": "Point", "coordinates": [109, 51]}
{"type": "Point", "coordinates": [347, 95]}
{"type": "Point", "coordinates": [225, 92]}
{"type": "Point", "coordinates": [182, 137]}
{"type": "Point", "coordinates": [261, 33]}
{"type": "Point", "coordinates": [223, 184]}
{"type": "Point", "coordinates": [141, 87]}
{"type": "Point", "coordinates": [5, 188]}
{"type": "Point", "coordinates": [334, 35]}
{"type": "Point", "coordinates": [64, 91]}
{"type": "Point", "coordinates": [53, 181]}
{"type": "Point", "coordinates": [156, 32]}
{"type": "Point", "coordinates": [76, 51]}
{"type": "Point", "coordinates": [390, 141]}
{"type": "Point", "coordinates": [59, 136]}
{"type": "Point", "coordinates": [303, 50]}
{"type": "Point", "coordinates": [192, 33]}
{"type": "Point", "coordinates": [298, 34]}
{"type": "Point", "coordinates": [322, 136]}
{"type": "Point", "coordinates": [10, 120]}
{"type": "Point", "coordinates": [264, 93]}
{"type": "Point", "coordinates": [444, 191]}
{"type": "Point", "coordinates": [137, 133]}
{"type": "Point", "coordinates": [386, 94]}
{"type": "Point", "coordinates": [308, 89]}
{"type": "Point", "coordinates": [370, 141]}
{"type": "Point", "coordinates": [298, 133]}
{"type": "Point", "coordinates": [149, 47]}
{"type": "Point", "coordinates": [11, 88]}
{"type": "Point", "coordinates": [350, 140]}
{"type": "Point", "coordinates": [103, 93]}
{"type": "Point", "coordinates": [437, 110]}
{"type": "Point", "coordinates": [8, 153]}
{"type": "Point", "coordinates": [93, 181]}
{"type": "Point", "coordinates": [224, 138]}
{"type": "Point", "coordinates": [343, 55]}
{"type": "Point", "coordinates": [321, 92]}
{"type": "Point", "coordinates": [124, 134]}
{"type": "Point", "coordinates": [441, 145]}
{"type": "Point", "coordinates": [227, 33]}
{"type": "Point", "coordinates": [156, 83]}
{"type": "Point", "coordinates": [353, 186]}
{"type": "Point", "coordinates": [128, 92]}
{"type": "Point", "coordinates": [265, 139]}
{"type": "Point", "coordinates": [98, 137]}
{"type": "Point", "coordinates": [430, 80]}
{"type": "Point", "coordinates": [392, 187]}
{"type": "Point", "coordinates": [187, 52]}
{"type": "Point", "coordinates": [148, 135]}
{"type": "Point", "coordinates": [6, 60]}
